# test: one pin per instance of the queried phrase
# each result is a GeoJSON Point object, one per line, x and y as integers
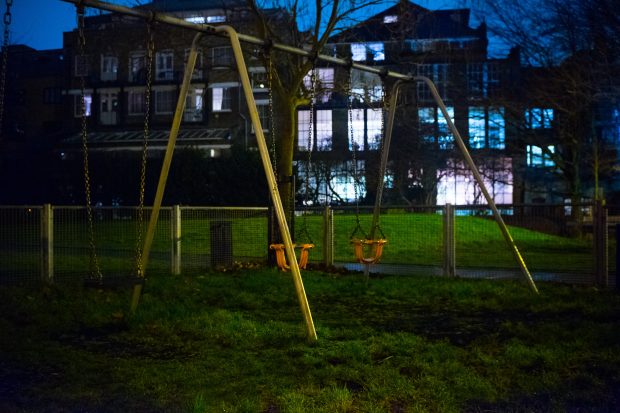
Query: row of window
{"type": "Point", "coordinates": [163, 64]}
{"type": "Point", "coordinates": [486, 128]}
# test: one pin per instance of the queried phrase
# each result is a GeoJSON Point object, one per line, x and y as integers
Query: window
{"type": "Point", "coordinates": [262, 106]}
{"type": "Point", "coordinates": [365, 87]}
{"type": "Point", "coordinates": [165, 101]}
{"type": "Point", "coordinates": [193, 105]}
{"type": "Point", "coordinates": [324, 83]}
{"type": "Point", "coordinates": [259, 79]}
{"type": "Point", "coordinates": [198, 68]}
{"type": "Point", "coordinates": [81, 66]}
{"type": "Point", "coordinates": [362, 51]}
{"type": "Point", "coordinates": [109, 67]}
{"type": "Point", "coordinates": [366, 125]}
{"type": "Point", "coordinates": [136, 104]}
{"type": "Point", "coordinates": [438, 73]}
{"type": "Point", "coordinates": [421, 45]}
{"type": "Point", "coordinates": [433, 127]}
{"type": "Point", "coordinates": [487, 128]}
{"type": "Point", "coordinates": [222, 56]}
{"type": "Point", "coordinates": [374, 128]}
{"type": "Point", "coordinates": [108, 104]}
{"type": "Point", "coordinates": [137, 65]}
{"type": "Point", "coordinates": [390, 19]}
{"type": "Point", "coordinates": [539, 118]}
{"type": "Point", "coordinates": [539, 157]}
{"type": "Point", "coordinates": [164, 69]}
{"type": "Point", "coordinates": [216, 19]}
{"type": "Point", "coordinates": [195, 19]}
{"type": "Point", "coordinates": [77, 105]}
{"type": "Point", "coordinates": [222, 99]}
{"type": "Point", "coordinates": [321, 132]}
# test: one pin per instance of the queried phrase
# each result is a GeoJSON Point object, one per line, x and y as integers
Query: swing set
{"type": "Point", "coordinates": [289, 248]}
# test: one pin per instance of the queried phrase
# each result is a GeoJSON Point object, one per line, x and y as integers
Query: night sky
{"type": "Point", "coordinates": [40, 23]}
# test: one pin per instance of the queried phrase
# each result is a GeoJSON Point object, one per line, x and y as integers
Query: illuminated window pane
{"type": "Point", "coordinates": [356, 124]}
{"type": "Point", "coordinates": [222, 100]}
{"type": "Point", "coordinates": [304, 131]}
{"type": "Point", "coordinates": [373, 125]}
{"type": "Point", "coordinates": [377, 51]}
{"type": "Point", "coordinates": [324, 130]}
{"type": "Point", "coordinates": [476, 127]}
{"type": "Point", "coordinates": [358, 52]}
{"type": "Point", "coordinates": [446, 139]}
{"type": "Point", "coordinates": [497, 128]}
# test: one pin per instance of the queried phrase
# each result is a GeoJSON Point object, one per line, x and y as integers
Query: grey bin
{"type": "Point", "coordinates": [221, 244]}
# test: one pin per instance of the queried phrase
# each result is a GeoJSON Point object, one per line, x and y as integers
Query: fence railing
{"type": "Point", "coordinates": [52, 243]}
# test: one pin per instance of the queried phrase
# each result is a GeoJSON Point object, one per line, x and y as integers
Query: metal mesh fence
{"type": "Point", "coordinates": [414, 234]}
{"type": "Point", "coordinates": [115, 234]}
{"type": "Point", "coordinates": [20, 246]}
{"type": "Point", "coordinates": [553, 246]}
{"type": "Point", "coordinates": [543, 235]}
{"type": "Point", "coordinates": [218, 237]}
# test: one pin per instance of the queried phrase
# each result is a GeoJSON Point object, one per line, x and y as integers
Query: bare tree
{"type": "Point", "coordinates": [568, 49]}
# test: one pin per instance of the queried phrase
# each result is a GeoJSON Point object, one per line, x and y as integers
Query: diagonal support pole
{"type": "Point", "coordinates": [165, 169]}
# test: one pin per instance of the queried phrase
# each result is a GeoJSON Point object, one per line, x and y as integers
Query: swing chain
{"type": "Point", "coordinates": [5, 58]}
{"type": "Point", "coordinates": [150, 50]}
{"type": "Point", "coordinates": [95, 269]}
{"type": "Point", "coordinates": [358, 226]}
{"type": "Point", "coordinates": [272, 125]}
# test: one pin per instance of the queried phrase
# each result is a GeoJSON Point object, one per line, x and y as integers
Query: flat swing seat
{"type": "Point", "coordinates": [281, 256]}
{"type": "Point", "coordinates": [376, 245]}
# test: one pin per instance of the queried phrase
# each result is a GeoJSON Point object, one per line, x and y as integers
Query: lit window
{"type": "Point", "coordinates": [109, 68]}
{"type": "Point", "coordinates": [305, 135]}
{"type": "Point", "coordinates": [497, 128]}
{"type": "Point", "coordinates": [356, 130]}
{"type": "Point", "coordinates": [433, 127]}
{"type": "Point", "coordinates": [193, 105]}
{"type": "Point", "coordinates": [216, 19]}
{"type": "Point", "coordinates": [259, 78]}
{"type": "Point", "coordinates": [135, 103]}
{"type": "Point", "coordinates": [540, 157]}
{"type": "Point", "coordinates": [358, 52]}
{"type": "Point", "coordinates": [390, 19]}
{"type": "Point", "coordinates": [477, 128]}
{"type": "Point", "coordinates": [321, 131]}
{"type": "Point", "coordinates": [164, 65]}
{"type": "Point", "coordinates": [222, 99]}
{"type": "Point", "coordinates": [164, 101]}
{"type": "Point", "coordinates": [324, 83]}
{"type": "Point", "coordinates": [377, 51]}
{"type": "Point", "coordinates": [77, 105]}
{"type": "Point", "coordinates": [366, 87]}
{"type": "Point", "coordinates": [373, 127]}
{"type": "Point", "coordinates": [195, 19]}
{"type": "Point", "coordinates": [324, 130]}
{"type": "Point", "coordinates": [539, 118]}
{"type": "Point", "coordinates": [137, 65]}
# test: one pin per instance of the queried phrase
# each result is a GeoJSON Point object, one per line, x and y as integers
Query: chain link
{"type": "Point", "coordinates": [356, 180]}
{"type": "Point", "coordinates": [5, 58]}
{"type": "Point", "coordinates": [95, 269]}
{"type": "Point", "coordinates": [272, 123]}
{"type": "Point", "coordinates": [150, 51]}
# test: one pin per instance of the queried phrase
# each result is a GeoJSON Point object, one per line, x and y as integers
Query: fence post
{"type": "Point", "coordinates": [47, 244]}
{"type": "Point", "coordinates": [175, 226]}
{"type": "Point", "coordinates": [599, 236]}
{"type": "Point", "coordinates": [328, 236]}
{"type": "Point", "coordinates": [449, 244]}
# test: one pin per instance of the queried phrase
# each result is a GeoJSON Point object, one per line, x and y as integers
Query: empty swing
{"type": "Point", "coordinates": [304, 247]}
{"type": "Point", "coordinates": [95, 278]}
{"type": "Point", "coordinates": [367, 248]}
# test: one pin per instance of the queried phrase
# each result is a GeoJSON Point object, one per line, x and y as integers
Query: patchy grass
{"type": "Point", "coordinates": [235, 342]}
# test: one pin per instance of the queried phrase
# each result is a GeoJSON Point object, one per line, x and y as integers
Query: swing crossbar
{"type": "Point", "coordinates": [281, 258]}
{"type": "Point", "coordinates": [375, 245]}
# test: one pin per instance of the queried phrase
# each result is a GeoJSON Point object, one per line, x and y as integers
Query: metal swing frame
{"type": "Point", "coordinates": [235, 38]}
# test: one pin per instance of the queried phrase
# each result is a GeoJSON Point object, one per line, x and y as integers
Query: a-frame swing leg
{"type": "Point", "coordinates": [472, 167]}
{"type": "Point", "coordinates": [165, 168]}
{"type": "Point", "coordinates": [271, 179]}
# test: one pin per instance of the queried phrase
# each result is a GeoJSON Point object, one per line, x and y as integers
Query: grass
{"type": "Point", "coordinates": [234, 342]}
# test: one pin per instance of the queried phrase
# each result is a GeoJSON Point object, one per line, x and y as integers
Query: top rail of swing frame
{"type": "Point", "coordinates": [208, 29]}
